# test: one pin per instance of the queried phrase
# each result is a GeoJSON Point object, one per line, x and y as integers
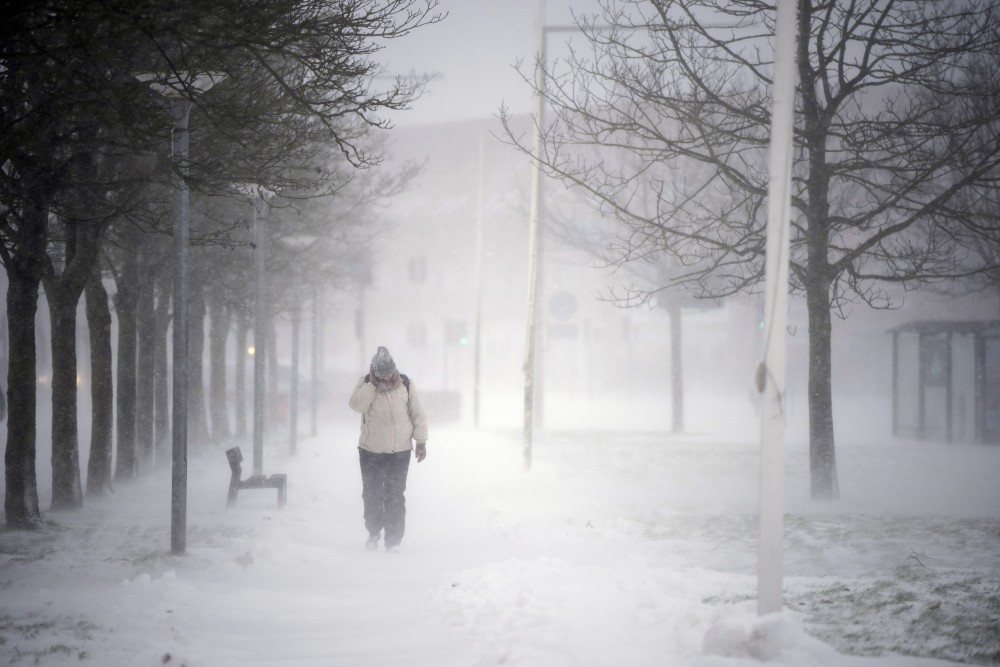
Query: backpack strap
{"type": "Point", "coordinates": [406, 383]}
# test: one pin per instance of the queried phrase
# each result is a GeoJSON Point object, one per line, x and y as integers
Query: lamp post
{"type": "Point", "coordinates": [178, 88]}
{"type": "Point", "coordinates": [297, 245]}
{"type": "Point", "coordinates": [317, 357]}
{"type": "Point", "coordinates": [293, 391]}
{"type": "Point", "coordinates": [533, 370]}
{"type": "Point", "coordinates": [478, 324]}
{"type": "Point", "coordinates": [259, 199]}
{"type": "Point", "coordinates": [534, 241]}
{"type": "Point", "coordinates": [771, 372]}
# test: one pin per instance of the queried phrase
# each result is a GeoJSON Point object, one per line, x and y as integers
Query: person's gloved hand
{"type": "Point", "coordinates": [421, 451]}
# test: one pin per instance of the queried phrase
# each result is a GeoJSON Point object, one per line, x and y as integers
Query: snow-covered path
{"type": "Point", "coordinates": [308, 593]}
{"type": "Point", "coordinates": [617, 549]}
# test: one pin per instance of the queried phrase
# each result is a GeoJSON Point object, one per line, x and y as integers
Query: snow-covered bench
{"type": "Point", "coordinates": [277, 481]}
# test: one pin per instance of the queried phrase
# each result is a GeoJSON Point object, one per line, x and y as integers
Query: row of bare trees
{"type": "Point", "coordinates": [85, 173]}
{"type": "Point", "coordinates": [662, 119]}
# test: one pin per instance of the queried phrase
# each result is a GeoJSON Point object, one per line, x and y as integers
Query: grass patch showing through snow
{"type": "Point", "coordinates": [921, 586]}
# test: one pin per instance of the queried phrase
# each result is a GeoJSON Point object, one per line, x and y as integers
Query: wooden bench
{"type": "Point", "coordinates": [278, 481]}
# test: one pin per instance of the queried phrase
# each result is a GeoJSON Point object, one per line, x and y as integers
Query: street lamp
{"type": "Point", "coordinates": [533, 370]}
{"type": "Point", "coordinates": [298, 245]}
{"type": "Point", "coordinates": [534, 241]}
{"type": "Point", "coordinates": [771, 372]}
{"type": "Point", "coordinates": [178, 88]}
{"type": "Point", "coordinates": [259, 199]}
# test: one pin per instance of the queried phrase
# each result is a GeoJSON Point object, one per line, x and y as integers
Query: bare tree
{"type": "Point", "coordinates": [101, 385]}
{"type": "Point", "coordinates": [67, 73]}
{"type": "Point", "coordinates": [894, 142]}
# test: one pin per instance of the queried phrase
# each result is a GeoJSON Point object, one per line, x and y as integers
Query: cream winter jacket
{"type": "Point", "coordinates": [390, 420]}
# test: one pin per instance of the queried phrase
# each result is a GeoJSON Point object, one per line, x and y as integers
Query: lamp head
{"type": "Point", "coordinates": [175, 85]}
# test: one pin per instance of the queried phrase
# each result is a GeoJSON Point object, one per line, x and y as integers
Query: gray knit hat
{"type": "Point", "coordinates": [382, 362]}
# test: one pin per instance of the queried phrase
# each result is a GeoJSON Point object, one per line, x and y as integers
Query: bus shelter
{"type": "Point", "coordinates": [946, 381]}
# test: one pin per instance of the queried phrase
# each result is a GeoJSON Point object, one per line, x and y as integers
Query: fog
{"type": "Point", "coordinates": [474, 54]}
{"type": "Point", "coordinates": [601, 366]}
{"type": "Point", "coordinates": [624, 542]}
{"type": "Point", "coordinates": [627, 542]}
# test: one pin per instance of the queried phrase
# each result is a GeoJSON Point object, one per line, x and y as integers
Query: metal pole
{"type": "Point", "coordinates": [293, 406]}
{"type": "Point", "coordinates": [676, 368]}
{"type": "Point", "coordinates": [316, 361]}
{"type": "Point", "coordinates": [259, 332]}
{"type": "Point", "coordinates": [360, 326]}
{"type": "Point", "coordinates": [771, 372]}
{"type": "Point", "coordinates": [180, 110]}
{"type": "Point", "coordinates": [533, 238]}
{"type": "Point", "coordinates": [477, 352]}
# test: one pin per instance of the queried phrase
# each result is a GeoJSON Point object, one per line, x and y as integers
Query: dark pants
{"type": "Point", "coordinates": [383, 481]}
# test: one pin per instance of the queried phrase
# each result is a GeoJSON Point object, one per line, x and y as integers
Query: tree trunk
{"type": "Point", "coordinates": [64, 291]}
{"type": "Point", "coordinates": [127, 463]}
{"type": "Point", "coordinates": [822, 452]}
{"type": "Point", "coordinates": [145, 363]}
{"type": "Point", "coordinates": [24, 273]}
{"type": "Point", "coordinates": [67, 490]}
{"type": "Point", "coordinates": [218, 333]}
{"type": "Point", "coordinates": [101, 386]}
{"type": "Point", "coordinates": [240, 391]}
{"type": "Point", "coordinates": [161, 386]}
{"type": "Point", "coordinates": [817, 281]}
{"type": "Point", "coordinates": [21, 500]}
{"type": "Point", "coordinates": [197, 417]}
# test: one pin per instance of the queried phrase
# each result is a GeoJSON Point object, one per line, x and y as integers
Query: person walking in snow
{"type": "Point", "coordinates": [392, 417]}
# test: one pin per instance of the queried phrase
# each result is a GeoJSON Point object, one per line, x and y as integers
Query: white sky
{"type": "Point", "coordinates": [474, 51]}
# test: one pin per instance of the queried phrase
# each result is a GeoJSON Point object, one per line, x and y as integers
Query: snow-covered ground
{"type": "Point", "coordinates": [617, 548]}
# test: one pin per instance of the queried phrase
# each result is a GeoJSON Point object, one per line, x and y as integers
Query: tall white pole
{"type": "Point", "coordinates": [771, 372]}
{"type": "Point", "coordinates": [180, 110]}
{"type": "Point", "coordinates": [533, 239]}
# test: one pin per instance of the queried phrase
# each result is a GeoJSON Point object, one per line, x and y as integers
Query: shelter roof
{"type": "Point", "coordinates": [932, 327]}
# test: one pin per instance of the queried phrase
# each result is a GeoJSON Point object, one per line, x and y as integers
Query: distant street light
{"type": "Point", "coordinates": [534, 240]}
{"type": "Point", "coordinates": [533, 372]}
{"type": "Point", "coordinates": [317, 357]}
{"type": "Point", "coordinates": [298, 244]}
{"type": "Point", "coordinates": [177, 88]}
{"type": "Point", "coordinates": [259, 199]}
{"type": "Point", "coordinates": [478, 320]}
